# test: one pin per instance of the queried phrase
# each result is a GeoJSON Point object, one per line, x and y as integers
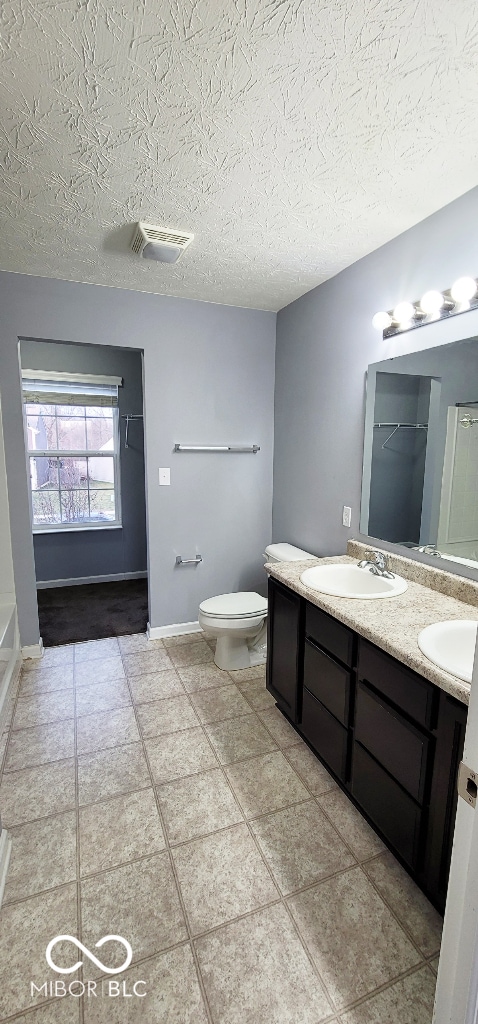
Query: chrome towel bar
{"type": "Point", "coordinates": [217, 448]}
{"type": "Point", "coordinates": [188, 561]}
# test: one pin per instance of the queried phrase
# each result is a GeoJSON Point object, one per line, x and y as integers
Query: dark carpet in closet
{"type": "Point", "coordinates": [93, 611]}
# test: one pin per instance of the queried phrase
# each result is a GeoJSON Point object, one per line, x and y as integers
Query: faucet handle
{"type": "Point", "coordinates": [378, 557]}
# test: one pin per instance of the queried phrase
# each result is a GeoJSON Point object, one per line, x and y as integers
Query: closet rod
{"type": "Point", "coordinates": [397, 426]}
{"type": "Point", "coordinates": [217, 448]}
{"type": "Point", "coordinates": [130, 416]}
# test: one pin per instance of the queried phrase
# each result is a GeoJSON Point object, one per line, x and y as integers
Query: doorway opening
{"type": "Point", "coordinates": [83, 410]}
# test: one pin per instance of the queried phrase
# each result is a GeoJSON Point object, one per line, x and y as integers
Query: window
{"type": "Point", "coordinates": [73, 451]}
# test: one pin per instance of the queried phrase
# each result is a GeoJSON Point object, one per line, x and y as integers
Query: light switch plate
{"type": "Point", "coordinates": [164, 477]}
{"type": "Point", "coordinates": [346, 516]}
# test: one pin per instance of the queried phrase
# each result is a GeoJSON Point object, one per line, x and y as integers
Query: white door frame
{"type": "Point", "coordinates": [456, 999]}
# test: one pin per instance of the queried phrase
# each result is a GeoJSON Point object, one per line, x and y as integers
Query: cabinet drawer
{"type": "Point", "coordinates": [325, 734]}
{"type": "Point", "coordinates": [330, 634]}
{"type": "Point", "coordinates": [400, 747]}
{"type": "Point", "coordinates": [328, 681]}
{"type": "Point", "coordinates": [394, 813]}
{"type": "Point", "coordinates": [413, 694]}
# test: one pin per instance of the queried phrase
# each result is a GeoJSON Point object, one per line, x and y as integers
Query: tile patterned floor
{"type": "Point", "coordinates": [151, 795]}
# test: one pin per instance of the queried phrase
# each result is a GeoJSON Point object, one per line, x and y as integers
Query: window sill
{"type": "Point", "coordinates": [76, 529]}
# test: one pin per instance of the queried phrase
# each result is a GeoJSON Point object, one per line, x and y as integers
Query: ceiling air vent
{"type": "Point", "coordinates": [162, 244]}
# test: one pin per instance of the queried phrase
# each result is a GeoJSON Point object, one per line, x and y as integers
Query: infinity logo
{"type": "Point", "coordinates": [71, 938]}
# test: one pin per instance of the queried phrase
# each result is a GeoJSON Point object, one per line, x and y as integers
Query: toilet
{"type": "Point", "coordinates": [239, 621]}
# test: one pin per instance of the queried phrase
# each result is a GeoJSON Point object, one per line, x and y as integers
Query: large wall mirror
{"type": "Point", "coordinates": [420, 469]}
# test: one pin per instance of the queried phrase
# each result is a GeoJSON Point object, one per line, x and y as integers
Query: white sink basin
{"type": "Point", "coordinates": [350, 581]}
{"type": "Point", "coordinates": [451, 646]}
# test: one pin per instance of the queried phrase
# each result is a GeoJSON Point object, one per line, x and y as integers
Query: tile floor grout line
{"type": "Point", "coordinates": [30, 1010]}
{"type": "Point", "coordinates": [200, 981]}
{"type": "Point", "coordinates": [395, 915]}
{"type": "Point", "coordinates": [336, 828]}
{"type": "Point", "coordinates": [34, 895]}
{"type": "Point", "coordinates": [246, 818]}
{"type": "Point", "coordinates": [382, 988]}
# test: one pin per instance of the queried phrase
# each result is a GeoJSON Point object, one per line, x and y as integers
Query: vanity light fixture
{"type": "Point", "coordinates": [432, 306]}
{"type": "Point", "coordinates": [381, 321]}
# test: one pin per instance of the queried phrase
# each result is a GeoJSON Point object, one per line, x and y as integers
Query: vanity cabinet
{"type": "Point", "coordinates": [284, 648]}
{"type": "Point", "coordinates": [392, 739]}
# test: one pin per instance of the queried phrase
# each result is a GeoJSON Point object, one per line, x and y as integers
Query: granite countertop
{"type": "Point", "coordinates": [392, 623]}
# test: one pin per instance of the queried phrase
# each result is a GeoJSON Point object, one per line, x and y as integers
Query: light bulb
{"type": "Point", "coordinates": [464, 289]}
{"type": "Point", "coordinates": [431, 302]}
{"type": "Point", "coordinates": [403, 312]}
{"type": "Point", "coordinates": [381, 321]}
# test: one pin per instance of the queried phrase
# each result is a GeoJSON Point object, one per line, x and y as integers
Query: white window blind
{"type": "Point", "coordinates": [42, 387]}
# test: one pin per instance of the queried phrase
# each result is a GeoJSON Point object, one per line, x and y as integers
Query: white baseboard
{"type": "Point", "coordinates": [175, 629]}
{"type": "Point", "coordinates": [8, 688]}
{"type": "Point", "coordinates": [77, 581]}
{"type": "Point", "coordinates": [5, 851]}
{"type": "Point", "coordinates": [33, 650]}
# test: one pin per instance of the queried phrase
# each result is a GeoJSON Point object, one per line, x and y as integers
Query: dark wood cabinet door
{"type": "Point", "coordinates": [325, 734]}
{"type": "Point", "coordinates": [452, 717]}
{"type": "Point", "coordinates": [393, 811]}
{"type": "Point", "coordinates": [285, 649]}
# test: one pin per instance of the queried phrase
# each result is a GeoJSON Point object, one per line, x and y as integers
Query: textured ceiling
{"type": "Point", "coordinates": [291, 136]}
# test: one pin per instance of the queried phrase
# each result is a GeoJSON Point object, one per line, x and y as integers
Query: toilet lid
{"type": "Point", "coordinates": [287, 553]}
{"type": "Point", "coordinates": [231, 606]}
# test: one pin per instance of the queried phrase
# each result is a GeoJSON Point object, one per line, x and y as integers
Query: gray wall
{"type": "Point", "coordinates": [69, 555]}
{"type": "Point", "coordinates": [208, 379]}
{"type": "Point", "coordinates": [325, 341]}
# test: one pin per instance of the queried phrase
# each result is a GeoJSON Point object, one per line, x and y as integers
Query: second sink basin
{"type": "Point", "coordinates": [350, 581]}
{"type": "Point", "coordinates": [451, 646]}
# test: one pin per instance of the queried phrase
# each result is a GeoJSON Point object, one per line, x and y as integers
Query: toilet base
{"type": "Point", "coordinates": [233, 653]}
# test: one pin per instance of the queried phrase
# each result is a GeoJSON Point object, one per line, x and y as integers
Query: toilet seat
{"type": "Point", "coordinates": [242, 605]}
{"type": "Point", "coordinates": [238, 622]}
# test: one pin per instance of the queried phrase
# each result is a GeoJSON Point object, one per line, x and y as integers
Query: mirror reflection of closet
{"type": "Point", "coordinates": [420, 467]}
{"type": "Point", "coordinates": [400, 432]}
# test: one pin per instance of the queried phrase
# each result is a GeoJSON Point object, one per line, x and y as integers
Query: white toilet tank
{"type": "Point", "coordinates": [286, 553]}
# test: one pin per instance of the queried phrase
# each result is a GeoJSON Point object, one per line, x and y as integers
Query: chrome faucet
{"type": "Point", "coordinates": [376, 564]}
{"type": "Point", "coordinates": [429, 549]}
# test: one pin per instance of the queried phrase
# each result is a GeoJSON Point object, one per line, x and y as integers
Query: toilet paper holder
{"type": "Point", "coordinates": [188, 561]}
